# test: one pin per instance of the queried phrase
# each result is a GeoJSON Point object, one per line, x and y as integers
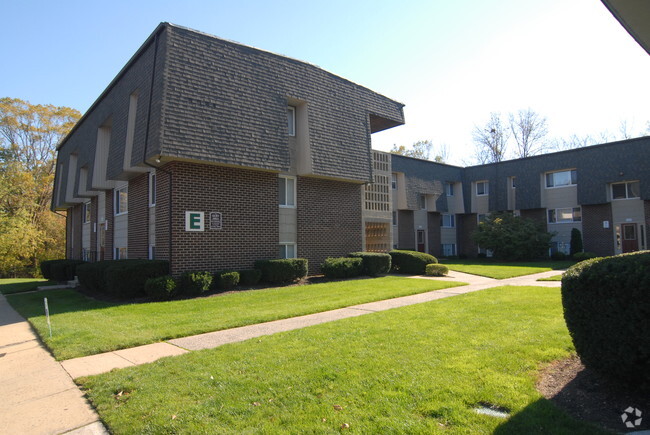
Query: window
{"type": "Point", "coordinates": [152, 252]}
{"type": "Point", "coordinates": [448, 249]}
{"type": "Point", "coordinates": [394, 217]}
{"type": "Point", "coordinates": [152, 189]}
{"type": "Point", "coordinates": [448, 221]}
{"type": "Point", "coordinates": [291, 120]}
{"type": "Point", "coordinates": [121, 200]}
{"type": "Point", "coordinates": [287, 250]}
{"type": "Point", "coordinates": [422, 201]}
{"type": "Point", "coordinates": [120, 254]}
{"type": "Point", "coordinates": [513, 182]}
{"type": "Point", "coordinates": [561, 178]}
{"type": "Point", "coordinates": [450, 189]}
{"type": "Point", "coordinates": [564, 215]}
{"type": "Point", "coordinates": [482, 188]}
{"type": "Point", "coordinates": [86, 212]}
{"type": "Point", "coordinates": [393, 181]}
{"type": "Point", "coordinates": [627, 190]}
{"type": "Point", "coordinates": [287, 191]}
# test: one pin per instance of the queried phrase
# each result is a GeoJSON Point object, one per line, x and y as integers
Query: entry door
{"type": "Point", "coordinates": [420, 240]}
{"type": "Point", "coordinates": [630, 238]}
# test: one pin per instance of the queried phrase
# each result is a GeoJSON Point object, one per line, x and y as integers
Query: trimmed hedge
{"type": "Point", "coordinates": [435, 269]}
{"type": "Point", "coordinates": [607, 310]}
{"type": "Point", "coordinates": [581, 256]}
{"type": "Point", "coordinates": [195, 283]}
{"type": "Point", "coordinates": [161, 288]}
{"type": "Point", "coordinates": [343, 267]}
{"type": "Point", "coordinates": [374, 263]}
{"type": "Point", "coordinates": [282, 271]}
{"type": "Point", "coordinates": [250, 277]}
{"type": "Point", "coordinates": [120, 278]}
{"type": "Point", "coordinates": [60, 270]}
{"type": "Point", "coordinates": [227, 280]}
{"type": "Point", "coordinates": [411, 262]}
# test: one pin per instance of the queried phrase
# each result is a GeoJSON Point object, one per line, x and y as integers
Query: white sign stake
{"type": "Point", "coordinates": [47, 314]}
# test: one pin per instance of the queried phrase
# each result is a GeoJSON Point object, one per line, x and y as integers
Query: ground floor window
{"type": "Point", "coordinates": [152, 252]}
{"type": "Point", "coordinates": [287, 250]}
{"type": "Point", "coordinates": [120, 253]}
{"type": "Point", "coordinates": [448, 249]}
{"type": "Point", "coordinates": [564, 215]}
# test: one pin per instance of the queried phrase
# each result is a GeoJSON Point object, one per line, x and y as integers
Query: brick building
{"type": "Point", "coordinates": [212, 155]}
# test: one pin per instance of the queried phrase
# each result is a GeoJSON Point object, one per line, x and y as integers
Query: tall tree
{"type": "Point", "coordinates": [423, 149]}
{"type": "Point", "coordinates": [491, 140]}
{"type": "Point", "coordinates": [529, 130]}
{"type": "Point", "coordinates": [28, 137]}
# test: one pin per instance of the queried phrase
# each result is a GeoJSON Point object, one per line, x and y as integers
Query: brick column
{"type": "Point", "coordinates": [138, 229]}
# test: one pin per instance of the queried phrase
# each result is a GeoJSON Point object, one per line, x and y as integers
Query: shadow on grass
{"type": "Point", "coordinates": [21, 287]}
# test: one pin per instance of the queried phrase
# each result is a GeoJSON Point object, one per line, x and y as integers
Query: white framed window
{"type": "Point", "coordinates": [482, 188]}
{"type": "Point", "coordinates": [152, 189]}
{"type": "Point", "coordinates": [448, 221]}
{"type": "Point", "coordinates": [394, 217]}
{"type": "Point", "coordinates": [561, 178]}
{"type": "Point", "coordinates": [85, 212]}
{"type": "Point", "coordinates": [449, 187]}
{"type": "Point", "coordinates": [121, 197]}
{"type": "Point", "coordinates": [422, 201]}
{"type": "Point", "coordinates": [564, 215]}
{"type": "Point", "coordinates": [288, 250]}
{"type": "Point", "coordinates": [448, 249]}
{"type": "Point", "coordinates": [626, 190]}
{"type": "Point", "coordinates": [287, 191]}
{"type": "Point", "coordinates": [393, 181]}
{"type": "Point", "coordinates": [121, 254]}
{"type": "Point", "coordinates": [291, 120]}
{"type": "Point", "coordinates": [152, 252]}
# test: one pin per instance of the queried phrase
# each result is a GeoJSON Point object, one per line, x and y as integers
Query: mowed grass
{"type": "Point", "coordinates": [19, 285]}
{"type": "Point", "coordinates": [82, 326]}
{"type": "Point", "coordinates": [418, 369]}
{"type": "Point", "coordinates": [503, 270]}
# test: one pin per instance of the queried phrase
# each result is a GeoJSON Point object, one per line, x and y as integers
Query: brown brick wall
{"type": "Point", "coordinates": [94, 227]}
{"type": "Point", "coordinates": [433, 232]}
{"type": "Point", "coordinates": [536, 214]}
{"type": "Point", "coordinates": [466, 225]}
{"type": "Point", "coordinates": [138, 229]}
{"type": "Point", "coordinates": [329, 219]}
{"type": "Point", "coordinates": [163, 180]}
{"type": "Point", "coordinates": [108, 245]}
{"type": "Point", "coordinates": [248, 201]}
{"type": "Point", "coordinates": [596, 238]}
{"type": "Point", "coordinates": [646, 206]}
{"type": "Point", "coordinates": [406, 230]}
{"type": "Point", "coordinates": [73, 229]}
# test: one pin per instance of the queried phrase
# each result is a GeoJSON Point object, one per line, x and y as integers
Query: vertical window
{"type": "Point", "coordinates": [481, 218]}
{"type": "Point", "coordinates": [120, 254]}
{"type": "Point", "coordinates": [121, 196]}
{"type": "Point", "coordinates": [86, 212]}
{"type": "Point", "coordinates": [287, 250]}
{"type": "Point", "coordinates": [291, 120]}
{"type": "Point", "coordinates": [393, 181]}
{"type": "Point", "coordinates": [422, 201]}
{"type": "Point", "coordinates": [287, 191]}
{"type": "Point", "coordinates": [152, 189]}
{"type": "Point", "coordinates": [448, 221]}
{"type": "Point", "coordinates": [482, 188]}
{"type": "Point", "coordinates": [513, 182]}
{"type": "Point", "coordinates": [152, 252]}
{"type": "Point", "coordinates": [450, 189]}
{"type": "Point", "coordinates": [394, 217]}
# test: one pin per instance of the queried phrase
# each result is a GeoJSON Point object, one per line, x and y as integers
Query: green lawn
{"type": "Point", "coordinates": [83, 326]}
{"type": "Point", "coordinates": [503, 270]}
{"type": "Point", "coordinates": [417, 369]}
{"type": "Point", "coordinates": [552, 278]}
{"type": "Point", "coordinates": [18, 285]}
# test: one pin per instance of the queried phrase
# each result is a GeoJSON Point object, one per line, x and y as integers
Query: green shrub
{"type": "Point", "coordinates": [195, 283]}
{"type": "Point", "coordinates": [250, 277]}
{"type": "Point", "coordinates": [161, 288]}
{"type": "Point", "coordinates": [91, 275]}
{"type": "Point", "coordinates": [411, 262]}
{"type": "Point", "coordinates": [580, 256]}
{"type": "Point", "coordinates": [576, 242]}
{"type": "Point", "coordinates": [282, 271]}
{"type": "Point", "coordinates": [607, 310]}
{"type": "Point", "coordinates": [343, 267]}
{"type": "Point", "coordinates": [559, 256]}
{"type": "Point", "coordinates": [374, 263]}
{"type": "Point", "coordinates": [227, 280]}
{"type": "Point", "coordinates": [60, 270]}
{"type": "Point", "coordinates": [120, 278]}
{"type": "Point", "coordinates": [46, 270]}
{"type": "Point", "coordinates": [435, 269]}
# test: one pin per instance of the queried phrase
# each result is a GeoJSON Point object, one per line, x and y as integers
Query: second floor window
{"type": "Point", "coordinates": [422, 202]}
{"type": "Point", "coordinates": [121, 200]}
{"type": "Point", "coordinates": [627, 190]}
{"type": "Point", "coordinates": [448, 221]}
{"type": "Point", "coordinates": [562, 178]}
{"type": "Point", "coordinates": [450, 189]}
{"type": "Point", "coordinates": [291, 120]}
{"type": "Point", "coordinates": [482, 188]}
{"type": "Point", "coordinates": [86, 212]}
{"type": "Point", "coordinates": [393, 181]}
{"type": "Point", "coordinates": [287, 191]}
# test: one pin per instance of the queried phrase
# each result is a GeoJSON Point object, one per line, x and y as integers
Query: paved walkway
{"type": "Point", "coordinates": [39, 396]}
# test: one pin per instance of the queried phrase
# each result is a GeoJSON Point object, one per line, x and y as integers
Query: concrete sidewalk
{"type": "Point", "coordinates": [101, 363]}
{"type": "Point", "coordinates": [38, 395]}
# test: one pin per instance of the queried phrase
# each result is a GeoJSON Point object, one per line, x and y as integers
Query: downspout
{"type": "Point", "coordinates": [146, 146]}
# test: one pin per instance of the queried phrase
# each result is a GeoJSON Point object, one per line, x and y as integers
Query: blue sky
{"type": "Point", "coordinates": [450, 62]}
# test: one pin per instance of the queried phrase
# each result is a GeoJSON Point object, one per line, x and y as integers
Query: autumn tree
{"type": "Point", "coordinates": [423, 149]}
{"type": "Point", "coordinates": [529, 130]}
{"type": "Point", "coordinates": [490, 140]}
{"type": "Point", "coordinates": [28, 137]}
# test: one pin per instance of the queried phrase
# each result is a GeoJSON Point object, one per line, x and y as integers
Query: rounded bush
{"type": "Point", "coordinates": [607, 310]}
{"type": "Point", "coordinates": [374, 263]}
{"type": "Point", "coordinates": [411, 262]}
{"type": "Point", "coordinates": [282, 271]}
{"type": "Point", "coordinates": [250, 276]}
{"type": "Point", "coordinates": [435, 269]}
{"type": "Point", "coordinates": [196, 282]}
{"type": "Point", "coordinates": [559, 256]}
{"type": "Point", "coordinates": [161, 288]}
{"type": "Point", "coordinates": [227, 280]}
{"type": "Point", "coordinates": [344, 267]}
{"type": "Point", "coordinates": [581, 256]}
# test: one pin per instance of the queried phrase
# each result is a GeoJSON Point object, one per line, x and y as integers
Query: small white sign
{"type": "Point", "coordinates": [216, 220]}
{"type": "Point", "coordinates": [194, 221]}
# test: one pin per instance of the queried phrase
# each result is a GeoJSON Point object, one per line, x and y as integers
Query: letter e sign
{"type": "Point", "coordinates": [194, 221]}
